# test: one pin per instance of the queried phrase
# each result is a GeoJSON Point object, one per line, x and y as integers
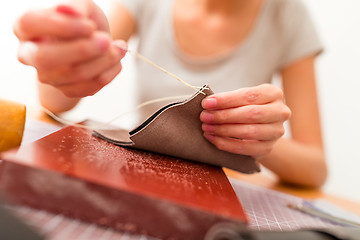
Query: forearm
{"type": "Point", "coordinates": [54, 100]}
{"type": "Point", "coordinates": [297, 163]}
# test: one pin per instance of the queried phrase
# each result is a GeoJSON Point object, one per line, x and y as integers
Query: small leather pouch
{"type": "Point", "coordinates": [175, 130]}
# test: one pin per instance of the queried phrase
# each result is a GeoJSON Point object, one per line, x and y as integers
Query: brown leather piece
{"type": "Point", "coordinates": [175, 130]}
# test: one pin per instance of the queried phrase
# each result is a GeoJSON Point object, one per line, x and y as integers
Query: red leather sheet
{"type": "Point", "coordinates": [84, 177]}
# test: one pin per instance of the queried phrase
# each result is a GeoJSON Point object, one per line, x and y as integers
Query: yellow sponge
{"type": "Point", "coordinates": [12, 123]}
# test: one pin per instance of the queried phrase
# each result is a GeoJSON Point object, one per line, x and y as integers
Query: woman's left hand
{"type": "Point", "coordinates": [246, 121]}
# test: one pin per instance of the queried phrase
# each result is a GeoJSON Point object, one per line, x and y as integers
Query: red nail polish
{"type": "Point", "coordinates": [67, 10]}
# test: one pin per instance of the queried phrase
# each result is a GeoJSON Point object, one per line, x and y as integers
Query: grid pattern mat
{"type": "Point", "coordinates": [58, 227]}
{"type": "Point", "coordinates": [267, 209]}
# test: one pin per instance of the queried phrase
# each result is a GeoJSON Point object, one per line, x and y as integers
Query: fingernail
{"type": "Point", "coordinates": [209, 103]}
{"type": "Point", "coordinates": [27, 51]}
{"type": "Point", "coordinates": [67, 10]}
{"type": "Point", "coordinates": [208, 128]}
{"type": "Point", "coordinates": [102, 41]}
{"type": "Point", "coordinates": [207, 117]}
{"type": "Point", "coordinates": [209, 137]}
{"type": "Point", "coordinates": [122, 46]}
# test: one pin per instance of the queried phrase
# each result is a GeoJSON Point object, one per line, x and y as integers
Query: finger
{"type": "Point", "coordinates": [252, 148]}
{"type": "Point", "coordinates": [91, 11]}
{"type": "Point", "coordinates": [49, 22]}
{"type": "Point", "coordinates": [261, 94]}
{"type": "Point", "coordinates": [85, 71]}
{"type": "Point", "coordinates": [246, 131]}
{"type": "Point", "coordinates": [84, 7]}
{"type": "Point", "coordinates": [51, 55]}
{"type": "Point", "coordinates": [268, 113]}
{"type": "Point", "coordinates": [89, 88]}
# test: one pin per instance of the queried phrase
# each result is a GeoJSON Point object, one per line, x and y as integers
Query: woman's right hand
{"type": "Point", "coordinates": [70, 47]}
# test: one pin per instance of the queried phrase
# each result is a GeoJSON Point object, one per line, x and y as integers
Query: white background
{"type": "Point", "coordinates": [338, 23]}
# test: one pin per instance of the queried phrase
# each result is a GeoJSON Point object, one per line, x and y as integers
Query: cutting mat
{"type": "Point", "coordinates": [58, 227]}
{"type": "Point", "coordinates": [267, 209]}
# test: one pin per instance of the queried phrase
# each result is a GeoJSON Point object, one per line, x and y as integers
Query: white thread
{"type": "Point", "coordinates": [138, 55]}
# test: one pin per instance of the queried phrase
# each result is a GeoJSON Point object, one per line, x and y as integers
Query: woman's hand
{"type": "Point", "coordinates": [246, 121]}
{"type": "Point", "coordinates": [70, 47]}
